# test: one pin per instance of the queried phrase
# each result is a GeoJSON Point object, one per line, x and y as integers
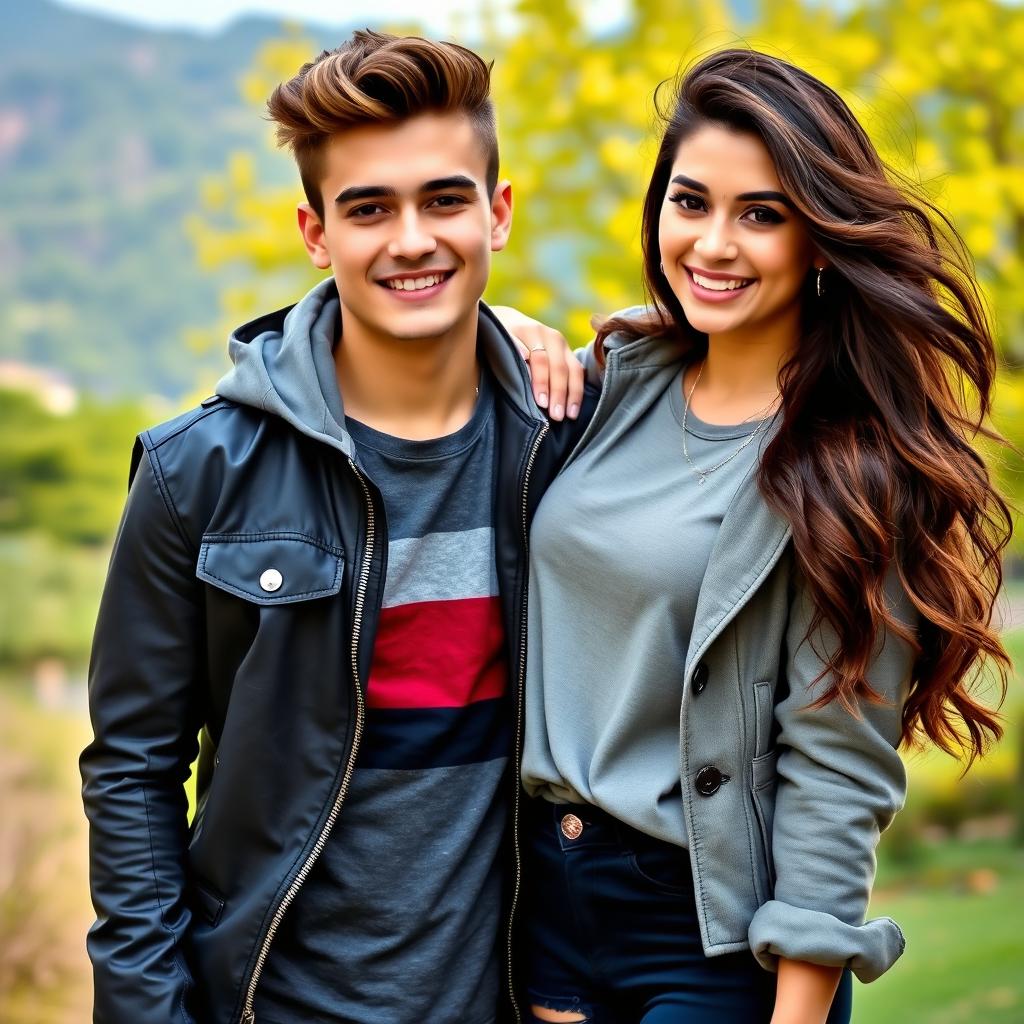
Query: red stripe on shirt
{"type": "Point", "coordinates": [438, 654]}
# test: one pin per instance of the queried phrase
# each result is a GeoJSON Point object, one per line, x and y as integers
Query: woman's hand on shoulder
{"type": "Point", "coordinates": [556, 374]}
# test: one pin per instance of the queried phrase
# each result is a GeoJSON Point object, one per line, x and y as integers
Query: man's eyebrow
{"type": "Point", "coordinates": [452, 181]}
{"type": "Point", "coordinates": [362, 193]}
{"type": "Point", "coordinates": [348, 195]}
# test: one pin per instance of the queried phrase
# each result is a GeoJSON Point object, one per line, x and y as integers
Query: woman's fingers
{"type": "Point", "coordinates": [565, 375]}
{"type": "Point", "coordinates": [556, 375]}
{"type": "Point", "coordinates": [539, 369]}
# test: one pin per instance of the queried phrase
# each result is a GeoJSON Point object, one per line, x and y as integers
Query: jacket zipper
{"type": "Point", "coordinates": [519, 725]}
{"type": "Point", "coordinates": [248, 1014]}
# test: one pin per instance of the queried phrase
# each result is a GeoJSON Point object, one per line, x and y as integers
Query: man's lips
{"type": "Point", "coordinates": [417, 281]}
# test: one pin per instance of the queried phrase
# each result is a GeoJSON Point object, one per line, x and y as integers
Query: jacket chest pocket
{"type": "Point", "coordinates": [271, 568]}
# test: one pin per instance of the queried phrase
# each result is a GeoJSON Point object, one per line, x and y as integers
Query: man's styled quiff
{"type": "Point", "coordinates": [375, 78]}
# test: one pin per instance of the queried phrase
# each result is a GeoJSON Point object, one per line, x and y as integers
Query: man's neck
{"type": "Point", "coordinates": [410, 388]}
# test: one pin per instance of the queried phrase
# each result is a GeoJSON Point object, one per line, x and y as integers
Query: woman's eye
{"type": "Point", "coordinates": [765, 215]}
{"type": "Point", "coordinates": [687, 201]}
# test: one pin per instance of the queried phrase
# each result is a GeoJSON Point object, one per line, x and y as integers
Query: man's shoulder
{"type": "Point", "coordinates": [206, 439]}
{"type": "Point", "coordinates": [190, 421]}
{"type": "Point", "coordinates": [205, 420]}
{"type": "Point", "coordinates": [564, 435]}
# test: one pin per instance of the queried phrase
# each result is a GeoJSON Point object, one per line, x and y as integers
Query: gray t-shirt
{"type": "Point", "coordinates": [601, 554]}
{"type": "Point", "coordinates": [400, 919]}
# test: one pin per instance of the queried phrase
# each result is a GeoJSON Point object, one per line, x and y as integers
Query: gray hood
{"type": "Point", "coordinates": [283, 363]}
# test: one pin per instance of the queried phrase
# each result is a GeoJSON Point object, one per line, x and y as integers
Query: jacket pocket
{"type": "Point", "coordinates": [764, 711]}
{"type": "Point", "coordinates": [205, 903]}
{"type": "Point", "coordinates": [271, 568]}
{"type": "Point", "coordinates": [763, 783]}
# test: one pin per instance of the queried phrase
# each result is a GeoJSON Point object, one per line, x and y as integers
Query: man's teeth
{"type": "Point", "coordinates": [413, 284]}
{"type": "Point", "coordinates": [718, 286]}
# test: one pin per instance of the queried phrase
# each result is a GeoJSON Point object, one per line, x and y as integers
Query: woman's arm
{"type": "Point", "coordinates": [840, 782]}
{"type": "Point", "coordinates": [804, 992]}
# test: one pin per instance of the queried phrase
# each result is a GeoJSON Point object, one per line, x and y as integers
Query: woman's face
{"type": "Point", "coordinates": [734, 252]}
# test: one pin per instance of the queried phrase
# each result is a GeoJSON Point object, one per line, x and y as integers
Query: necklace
{"type": "Point", "coordinates": [703, 474]}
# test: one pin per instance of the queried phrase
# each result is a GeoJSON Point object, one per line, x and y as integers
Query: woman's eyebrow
{"type": "Point", "coordinates": [745, 197]}
{"type": "Point", "coordinates": [767, 194]}
{"type": "Point", "coordinates": [682, 179]}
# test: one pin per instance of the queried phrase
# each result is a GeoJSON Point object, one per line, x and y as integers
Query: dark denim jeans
{"type": "Point", "coordinates": [612, 931]}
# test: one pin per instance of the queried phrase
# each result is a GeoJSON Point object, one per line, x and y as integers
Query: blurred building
{"type": "Point", "coordinates": [50, 388]}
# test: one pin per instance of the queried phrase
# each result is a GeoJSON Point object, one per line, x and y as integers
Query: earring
{"type": "Point", "coordinates": [662, 266]}
{"type": "Point", "coordinates": [821, 270]}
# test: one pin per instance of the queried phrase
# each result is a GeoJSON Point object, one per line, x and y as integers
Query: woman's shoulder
{"type": "Point", "coordinates": [631, 323]}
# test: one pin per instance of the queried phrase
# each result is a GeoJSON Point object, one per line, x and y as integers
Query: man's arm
{"type": "Point", "coordinates": [142, 699]}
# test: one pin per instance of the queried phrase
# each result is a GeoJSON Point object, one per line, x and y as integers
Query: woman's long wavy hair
{"type": "Point", "coordinates": [874, 464]}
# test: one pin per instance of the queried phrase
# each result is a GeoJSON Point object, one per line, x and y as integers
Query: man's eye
{"type": "Point", "coordinates": [687, 201]}
{"type": "Point", "coordinates": [366, 210]}
{"type": "Point", "coordinates": [448, 201]}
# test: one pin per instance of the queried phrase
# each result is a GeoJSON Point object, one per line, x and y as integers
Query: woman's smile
{"type": "Point", "coordinates": [717, 288]}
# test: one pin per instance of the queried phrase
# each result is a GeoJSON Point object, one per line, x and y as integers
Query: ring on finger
{"type": "Point", "coordinates": [537, 348]}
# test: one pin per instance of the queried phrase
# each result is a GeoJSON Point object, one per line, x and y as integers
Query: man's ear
{"type": "Point", "coordinates": [312, 230]}
{"type": "Point", "coordinates": [501, 215]}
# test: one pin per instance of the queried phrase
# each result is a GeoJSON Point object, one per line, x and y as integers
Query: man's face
{"type": "Point", "coordinates": [408, 226]}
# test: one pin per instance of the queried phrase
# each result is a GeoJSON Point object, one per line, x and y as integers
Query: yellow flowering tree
{"type": "Point", "coordinates": [937, 86]}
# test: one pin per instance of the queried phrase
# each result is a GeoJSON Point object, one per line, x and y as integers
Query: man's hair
{"type": "Point", "coordinates": [375, 78]}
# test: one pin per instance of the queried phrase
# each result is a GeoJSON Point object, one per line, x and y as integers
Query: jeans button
{"type": "Point", "coordinates": [572, 827]}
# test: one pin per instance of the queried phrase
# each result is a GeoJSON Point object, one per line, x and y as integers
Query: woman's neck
{"type": "Point", "coordinates": [739, 379]}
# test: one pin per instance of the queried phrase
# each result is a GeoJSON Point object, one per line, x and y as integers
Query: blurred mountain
{"type": "Point", "coordinates": [106, 131]}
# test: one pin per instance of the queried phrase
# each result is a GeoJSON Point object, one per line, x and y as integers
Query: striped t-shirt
{"type": "Point", "coordinates": [400, 918]}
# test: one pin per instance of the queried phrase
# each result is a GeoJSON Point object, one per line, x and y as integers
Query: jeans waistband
{"type": "Point", "coordinates": [581, 825]}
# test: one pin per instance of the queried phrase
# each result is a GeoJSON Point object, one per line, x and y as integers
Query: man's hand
{"type": "Point", "coordinates": [556, 374]}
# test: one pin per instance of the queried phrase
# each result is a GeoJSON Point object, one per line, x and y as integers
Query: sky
{"type": "Point", "coordinates": [209, 15]}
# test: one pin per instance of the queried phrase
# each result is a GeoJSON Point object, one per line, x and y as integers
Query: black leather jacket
{"type": "Point", "coordinates": [190, 643]}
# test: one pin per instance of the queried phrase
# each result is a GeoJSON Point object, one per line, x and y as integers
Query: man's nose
{"type": "Point", "coordinates": [412, 239]}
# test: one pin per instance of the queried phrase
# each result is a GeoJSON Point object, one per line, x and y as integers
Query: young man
{"type": "Point", "coordinates": [321, 572]}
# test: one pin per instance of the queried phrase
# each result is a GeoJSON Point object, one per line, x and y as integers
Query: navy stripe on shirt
{"type": "Point", "coordinates": [417, 738]}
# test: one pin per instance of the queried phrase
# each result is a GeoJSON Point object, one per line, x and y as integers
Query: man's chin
{"type": "Point", "coordinates": [425, 325]}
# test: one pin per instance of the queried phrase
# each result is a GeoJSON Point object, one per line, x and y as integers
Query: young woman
{"type": "Point", "coordinates": [785, 552]}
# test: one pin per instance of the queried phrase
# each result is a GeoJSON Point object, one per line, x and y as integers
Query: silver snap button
{"type": "Point", "coordinates": [271, 579]}
{"type": "Point", "coordinates": [572, 827]}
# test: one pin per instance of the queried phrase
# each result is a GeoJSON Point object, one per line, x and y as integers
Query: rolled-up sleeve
{"type": "Point", "coordinates": [840, 783]}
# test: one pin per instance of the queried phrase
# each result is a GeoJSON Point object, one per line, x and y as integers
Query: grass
{"type": "Point", "coordinates": [962, 964]}
{"type": "Point", "coordinates": [44, 891]}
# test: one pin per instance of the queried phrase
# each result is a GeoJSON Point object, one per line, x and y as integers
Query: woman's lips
{"type": "Point", "coordinates": [716, 295]}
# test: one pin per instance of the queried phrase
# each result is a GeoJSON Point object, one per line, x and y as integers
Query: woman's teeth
{"type": "Point", "coordinates": [413, 284]}
{"type": "Point", "coordinates": [716, 285]}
